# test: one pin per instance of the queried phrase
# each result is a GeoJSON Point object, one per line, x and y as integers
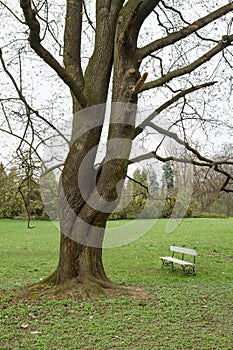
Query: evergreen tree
{"type": "Point", "coordinates": [153, 183]}
{"type": "Point", "coordinates": [168, 177]}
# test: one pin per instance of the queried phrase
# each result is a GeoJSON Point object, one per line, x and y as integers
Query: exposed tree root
{"type": "Point", "coordinates": [89, 289]}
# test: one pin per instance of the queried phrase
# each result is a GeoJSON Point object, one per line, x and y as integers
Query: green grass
{"type": "Point", "coordinates": [188, 312]}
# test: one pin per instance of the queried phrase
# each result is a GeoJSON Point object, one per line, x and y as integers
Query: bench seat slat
{"type": "Point", "coordinates": [177, 261]}
{"type": "Point", "coordinates": [183, 250]}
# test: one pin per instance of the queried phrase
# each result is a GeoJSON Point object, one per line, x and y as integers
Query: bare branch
{"type": "Point", "coordinates": [12, 12]}
{"type": "Point", "coordinates": [49, 170]}
{"type": "Point", "coordinates": [101, 61]}
{"type": "Point", "coordinates": [194, 151]}
{"type": "Point", "coordinates": [226, 41]}
{"type": "Point", "coordinates": [28, 108]}
{"type": "Point", "coordinates": [198, 158]}
{"type": "Point", "coordinates": [138, 183]}
{"type": "Point", "coordinates": [184, 21]}
{"type": "Point", "coordinates": [211, 164]}
{"type": "Point", "coordinates": [175, 137]}
{"type": "Point", "coordinates": [184, 32]}
{"type": "Point", "coordinates": [168, 103]}
{"type": "Point", "coordinates": [6, 117]}
{"type": "Point", "coordinates": [35, 43]}
{"type": "Point", "coordinates": [72, 40]}
{"type": "Point", "coordinates": [11, 133]}
{"type": "Point", "coordinates": [87, 15]}
{"type": "Point", "coordinates": [49, 28]}
{"type": "Point", "coordinates": [174, 10]}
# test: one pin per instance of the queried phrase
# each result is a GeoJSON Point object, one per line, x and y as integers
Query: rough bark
{"type": "Point", "coordinates": [80, 222]}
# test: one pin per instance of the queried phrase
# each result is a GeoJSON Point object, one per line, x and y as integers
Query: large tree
{"type": "Point", "coordinates": [176, 46]}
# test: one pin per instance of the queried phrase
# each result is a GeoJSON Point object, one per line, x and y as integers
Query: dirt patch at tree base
{"type": "Point", "coordinates": [79, 291]}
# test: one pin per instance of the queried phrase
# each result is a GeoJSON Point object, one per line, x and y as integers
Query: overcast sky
{"type": "Point", "coordinates": [48, 95]}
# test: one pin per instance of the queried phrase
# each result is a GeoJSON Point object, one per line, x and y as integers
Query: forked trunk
{"type": "Point", "coordinates": [82, 223]}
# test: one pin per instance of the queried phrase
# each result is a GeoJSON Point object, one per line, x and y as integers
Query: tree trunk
{"type": "Point", "coordinates": [80, 262]}
{"type": "Point", "coordinates": [83, 225]}
{"type": "Point", "coordinates": [80, 259]}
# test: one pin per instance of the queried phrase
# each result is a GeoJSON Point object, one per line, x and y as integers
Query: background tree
{"type": "Point", "coordinates": [169, 59]}
{"type": "Point", "coordinates": [5, 211]}
{"type": "Point", "coordinates": [140, 193]}
{"type": "Point", "coordinates": [19, 195]}
{"type": "Point", "coordinates": [153, 183]}
{"type": "Point", "coordinates": [207, 194]}
{"type": "Point", "coordinates": [168, 177]}
{"type": "Point", "coordinates": [11, 203]}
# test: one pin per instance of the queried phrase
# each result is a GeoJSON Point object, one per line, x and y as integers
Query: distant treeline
{"type": "Point", "coordinates": [143, 196]}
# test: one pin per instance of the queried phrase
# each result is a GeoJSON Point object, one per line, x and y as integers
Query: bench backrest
{"type": "Point", "coordinates": [183, 250]}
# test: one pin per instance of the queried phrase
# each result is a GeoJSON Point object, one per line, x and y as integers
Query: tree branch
{"type": "Point", "coordinates": [87, 15]}
{"type": "Point", "coordinates": [168, 103]}
{"type": "Point", "coordinates": [194, 151]}
{"type": "Point", "coordinates": [185, 22]}
{"type": "Point", "coordinates": [29, 109]}
{"type": "Point", "coordinates": [142, 10]}
{"type": "Point", "coordinates": [12, 12]}
{"type": "Point", "coordinates": [199, 159]}
{"type": "Point", "coordinates": [138, 183]}
{"type": "Point", "coordinates": [223, 43]}
{"type": "Point", "coordinates": [184, 32]}
{"type": "Point", "coordinates": [10, 132]}
{"type": "Point", "coordinates": [35, 43]}
{"type": "Point", "coordinates": [99, 68]}
{"type": "Point", "coordinates": [189, 161]}
{"type": "Point", "coordinates": [72, 41]}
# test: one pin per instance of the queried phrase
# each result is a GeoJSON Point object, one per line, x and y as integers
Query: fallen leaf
{"type": "Point", "coordinates": [24, 326]}
{"type": "Point", "coordinates": [35, 332]}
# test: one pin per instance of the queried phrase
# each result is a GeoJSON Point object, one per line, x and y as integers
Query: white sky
{"type": "Point", "coordinates": [49, 96]}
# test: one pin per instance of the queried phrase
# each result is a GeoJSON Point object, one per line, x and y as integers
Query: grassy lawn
{"type": "Point", "coordinates": [187, 312]}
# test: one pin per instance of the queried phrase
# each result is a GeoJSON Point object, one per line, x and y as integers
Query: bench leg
{"type": "Point", "coordinates": [189, 269]}
{"type": "Point", "coordinates": [166, 263]}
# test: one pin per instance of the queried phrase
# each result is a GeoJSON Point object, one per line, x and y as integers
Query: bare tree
{"type": "Point", "coordinates": [119, 56]}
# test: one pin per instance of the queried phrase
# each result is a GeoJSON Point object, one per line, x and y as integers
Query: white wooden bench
{"type": "Point", "coordinates": [187, 266]}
